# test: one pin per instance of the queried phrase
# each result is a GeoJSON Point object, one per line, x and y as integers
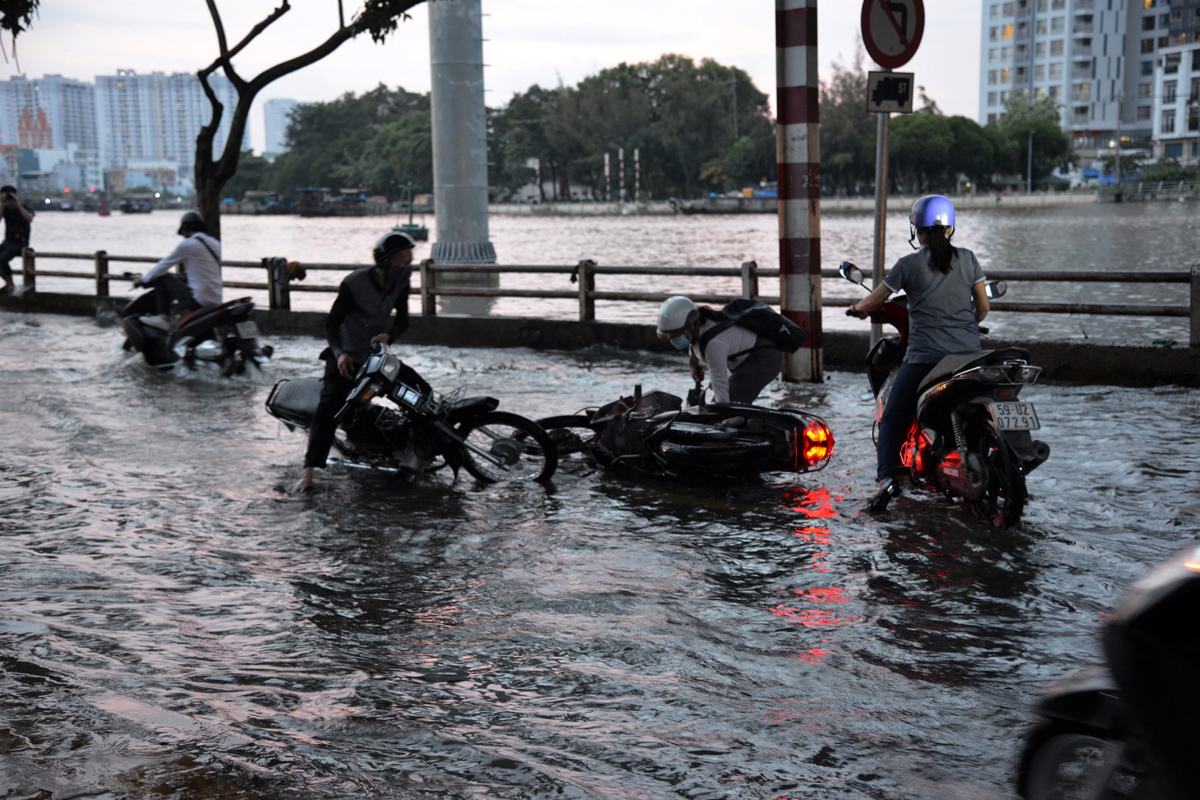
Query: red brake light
{"type": "Point", "coordinates": [818, 443]}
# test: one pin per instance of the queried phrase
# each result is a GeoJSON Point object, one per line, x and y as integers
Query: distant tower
{"type": "Point", "coordinates": [276, 116]}
{"type": "Point", "coordinates": [460, 185]}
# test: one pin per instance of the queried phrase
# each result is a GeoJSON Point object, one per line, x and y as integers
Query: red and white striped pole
{"type": "Point", "coordinates": [799, 160]}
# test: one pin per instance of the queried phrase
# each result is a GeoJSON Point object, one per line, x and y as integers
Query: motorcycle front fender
{"type": "Point", "coordinates": [1089, 697]}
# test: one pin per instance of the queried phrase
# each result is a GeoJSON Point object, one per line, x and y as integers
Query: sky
{"type": "Point", "coordinates": [527, 42]}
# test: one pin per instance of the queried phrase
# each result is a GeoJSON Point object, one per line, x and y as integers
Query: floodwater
{"type": "Point", "coordinates": [1151, 236]}
{"type": "Point", "coordinates": [174, 624]}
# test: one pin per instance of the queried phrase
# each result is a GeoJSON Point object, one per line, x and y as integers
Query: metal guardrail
{"type": "Point", "coordinates": [279, 286]}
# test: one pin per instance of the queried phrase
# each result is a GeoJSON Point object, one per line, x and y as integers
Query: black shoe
{"type": "Point", "coordinates": [888, 488]}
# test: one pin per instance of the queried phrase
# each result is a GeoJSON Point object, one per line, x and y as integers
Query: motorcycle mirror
{"type": "Point", "coordinates": [851, 273]}
{"type": "Point", "coordinates": [996, 289]}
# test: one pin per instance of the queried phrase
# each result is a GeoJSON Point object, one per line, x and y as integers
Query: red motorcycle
{"type": "Point", "coordinates": [971, 437]}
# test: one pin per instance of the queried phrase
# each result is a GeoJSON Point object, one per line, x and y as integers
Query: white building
{"type": "Point", "coordinates": [158, 117]}
{"type": "Point", "coordinates": [1096, 57]}
{"type": "Point", "coordinates": [1176, 113]}
{"type": "Point", "coordinates": [53, 113]}
{"type": "Point", "coordinates": [276, 116]}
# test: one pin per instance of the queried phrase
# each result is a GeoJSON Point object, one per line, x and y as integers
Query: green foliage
{"type": "Point", "coordinates": [254, 173]}
{"type": "Point", "coordinates": [16, 15]}
{"type": "Point", "coordinates": [677, 113]}
{"type": "Point", "coordinates": [367, 140]}
{"type": "Point", "coordinates": [1051, 144]}
{"type": "Point", "coordinates": [1167, 170]}
{"type": "Point", "coordinates": [847, 130]}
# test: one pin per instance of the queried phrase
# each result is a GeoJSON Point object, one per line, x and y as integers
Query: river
{"type": "Point", "coordinates": [172, 623]}
{"type": "Point", "coordinates": [1131, 236]}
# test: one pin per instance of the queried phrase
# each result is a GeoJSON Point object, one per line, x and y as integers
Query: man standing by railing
{"type": "Point", "coordinates": [17, 219]}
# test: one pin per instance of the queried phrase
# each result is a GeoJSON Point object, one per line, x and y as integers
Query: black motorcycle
{"type": "Point", "coordinates": [1130, 729]}
{"type": "Point", "coordinates": [224, 335]}
{"type": "Point", "coordinates": [653, 434]}
{"type": "Point", "coordinates": [425, 431]}
{"type": "Point", "coordinates": [971, 436]}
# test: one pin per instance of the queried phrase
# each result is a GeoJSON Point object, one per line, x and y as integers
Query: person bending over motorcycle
{"type": "Point", "coordinates": [946, 303]}
{"type": "Point", "coordinates": [740, 364]}
{"type": "Point", "coordinates": [359, 319]}
{"type": "Point", "coordinates": [198, 257]}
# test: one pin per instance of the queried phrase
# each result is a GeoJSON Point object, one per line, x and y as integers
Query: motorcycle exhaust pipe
{"type": "Point", "coordinates": [1041, 452]}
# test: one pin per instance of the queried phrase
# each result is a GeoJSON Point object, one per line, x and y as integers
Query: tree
{"type": "Point", "coordinates": [254, 173]}
{"type": "Point", "coordinates": [848, 130]}
{"type": "Point", "coordinates": [1042, 118]}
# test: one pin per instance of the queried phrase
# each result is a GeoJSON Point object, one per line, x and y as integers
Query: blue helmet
{"type": "Point", "coordinates": [931, 210]}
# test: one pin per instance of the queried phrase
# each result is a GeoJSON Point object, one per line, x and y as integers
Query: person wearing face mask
{"type": "Point", "coordinates": [740, 362]}
{"type": "Point", "coordinates": [358, 320]}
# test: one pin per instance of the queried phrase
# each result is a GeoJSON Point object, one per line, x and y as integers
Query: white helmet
{"type": "Point", "coordinates": [673, 314]}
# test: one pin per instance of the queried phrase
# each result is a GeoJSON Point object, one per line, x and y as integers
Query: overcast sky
{"type": "Point", "coordinates": [528, 42]}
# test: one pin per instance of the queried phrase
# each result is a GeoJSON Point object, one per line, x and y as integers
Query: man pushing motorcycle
{"type": "Point", "coordinates": [357, 320]}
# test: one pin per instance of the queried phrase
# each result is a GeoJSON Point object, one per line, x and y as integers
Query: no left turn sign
{"type": "Point", "coordinates": [891, 30]}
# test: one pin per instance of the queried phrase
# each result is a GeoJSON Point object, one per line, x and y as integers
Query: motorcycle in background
{"type": "Point", "coordinates": [224, 335]}
{"type": "Point", "coordinates": [1129, 729]}
{"type": "Point", "coordinates": [652, 434]}
{"type": "Point", "coordinates": [425, 431]}
{"type": "Point", "coordinates": [971, 436]}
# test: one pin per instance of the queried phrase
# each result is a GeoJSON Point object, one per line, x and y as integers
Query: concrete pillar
{"type": "Point", "coordinates": [799, 160]}
{"type": "Point", "coordinates": [460, 184]}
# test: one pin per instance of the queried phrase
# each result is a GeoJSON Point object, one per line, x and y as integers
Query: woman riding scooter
{"type": "Point", "coordinates": [946, 303]}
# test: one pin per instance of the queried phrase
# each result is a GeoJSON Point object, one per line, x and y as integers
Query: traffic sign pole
{"type": "Point", "coordinates": [881, 176]}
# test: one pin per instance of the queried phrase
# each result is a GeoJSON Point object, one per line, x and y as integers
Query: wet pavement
{"type": "Point", "coordinates": [172, 621]}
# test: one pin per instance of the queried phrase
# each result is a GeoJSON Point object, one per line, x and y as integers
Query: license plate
{"type": "Point", "coordinates": [247, 330]}
{"type": "Point", "coordinates": [1015, 417]}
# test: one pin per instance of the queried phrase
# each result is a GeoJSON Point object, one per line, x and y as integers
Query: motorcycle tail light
{"type": "Point", "coordinates": [818, 443]}
{"type": "Point", "coordinates": [992, 374]}
{"type": "Point", "coordinates": [1026, 374]}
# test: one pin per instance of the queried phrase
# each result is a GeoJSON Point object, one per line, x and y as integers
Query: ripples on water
{"type": "Point", "coordinates": [173, 622]}
{"type": "Point", "coordinates": [1131, 236]}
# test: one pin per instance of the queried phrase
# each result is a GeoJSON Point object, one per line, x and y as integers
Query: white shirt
{"type": "Point", "coordinates": [716, 357]}
{"type": "Point", "coordinates": [203, 271]}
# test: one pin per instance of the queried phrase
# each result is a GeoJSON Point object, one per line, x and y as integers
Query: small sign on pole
{"type": "Point", "coordinates": [891, 31]}
{"type": "Point", "coordinates": [890, 92]}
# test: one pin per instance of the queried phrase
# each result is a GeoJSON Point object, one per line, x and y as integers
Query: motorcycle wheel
{"type": "Point", "coordinates": [572, 435]}
{"type": "Point", "coordinates": [1065, 761]}
{"type": "Point", "coordinates": [1003, 500]}
{"type": "Point", "coordinates": [526, 452]}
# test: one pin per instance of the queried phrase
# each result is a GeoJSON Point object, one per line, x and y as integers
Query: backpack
{"type": "Point", "coordinates": [758, 318]}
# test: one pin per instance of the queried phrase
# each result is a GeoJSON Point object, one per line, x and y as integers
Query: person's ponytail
{"type": "Point", "coordinates": [940, 250]}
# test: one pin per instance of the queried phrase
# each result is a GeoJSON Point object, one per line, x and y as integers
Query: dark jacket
{"type": "Point", "coordinates": [361, 312]}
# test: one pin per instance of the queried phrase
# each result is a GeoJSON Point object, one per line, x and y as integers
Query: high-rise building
{"type": "Point", "coordinates": [158, 117]}
{"type": "Point", "coordinates": [1176, 88]}
{"type": "Point", "coordinates": [276, 116]}
{"type": "Point", "coordinates": [52, 113]}
{"type": "Point", "coordinates": [1095, 57]}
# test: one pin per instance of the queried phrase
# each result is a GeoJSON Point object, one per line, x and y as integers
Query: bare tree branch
{"type": "Point", "coordinates": [223, 59]}
{"type": "Point", "coordinates": [284, 7]}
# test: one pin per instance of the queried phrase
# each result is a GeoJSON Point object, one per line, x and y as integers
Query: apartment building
{"type": "Point", "coordinates": [276, 117]}
{"type": "Point", "coordinates": [1095, 57]}
{"type": "Point", "coordinates": [157, 117]}
{"type": "Point", "coordinates": [1176, 87]}
{"type": "Point", "coordinates": [53, 113]}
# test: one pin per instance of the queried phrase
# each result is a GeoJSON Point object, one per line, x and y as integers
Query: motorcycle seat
{"type": "Point", "coordinates": [958, 362]}
{"type": "Point", "coordinates": [296, 399]}
{"type": "Point", "coordinates": [211, 315]}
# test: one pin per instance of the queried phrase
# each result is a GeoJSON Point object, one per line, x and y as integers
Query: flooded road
{"type": "Point", "coordinates": [173, 622]}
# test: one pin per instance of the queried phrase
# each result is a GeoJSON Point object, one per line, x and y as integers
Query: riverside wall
{"type": "Point", "coordinates": [1074, 362]}
{"type": "Point", "coordinates": [765, 205]}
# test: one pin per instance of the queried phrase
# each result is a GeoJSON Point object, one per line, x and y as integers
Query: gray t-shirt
{"type": "Point", "coordinates": [941, 319]}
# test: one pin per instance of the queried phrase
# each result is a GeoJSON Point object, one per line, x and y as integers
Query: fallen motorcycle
{"type": "Point", "coordinates": [972, 434]}
{"type": "Point", "coordinates": [1130, 728]}
{"type": "Point", "coordinates": [653, 434]}
{"type": "Point", "coordinates": [224, 335]}
{"type": "Point", "coordinates": [425, 431]}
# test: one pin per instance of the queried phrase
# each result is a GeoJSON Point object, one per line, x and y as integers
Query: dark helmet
{"type": "Point", "coordinates": [192, 222]}
{"type": "Point", "coordinates": [391, 243]}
